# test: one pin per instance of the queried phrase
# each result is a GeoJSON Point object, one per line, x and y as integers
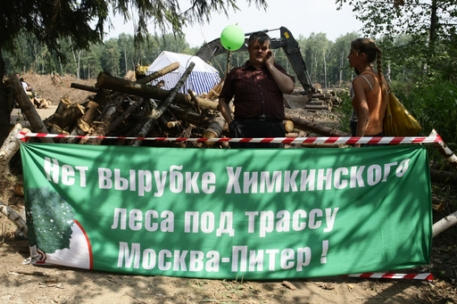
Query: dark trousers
{"type": "Point", "coordinates": [353, 128]}
{"type": "Point", "coordinates": [354, 131]}
{"type": "Point", "coordinates": [256, 128]}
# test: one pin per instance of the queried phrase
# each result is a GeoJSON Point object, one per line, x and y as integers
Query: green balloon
{"type": "Point", "coordinates": [232, 37]}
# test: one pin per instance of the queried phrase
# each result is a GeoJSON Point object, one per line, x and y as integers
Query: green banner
{"type": "Point", "coordinates": [227, 213]}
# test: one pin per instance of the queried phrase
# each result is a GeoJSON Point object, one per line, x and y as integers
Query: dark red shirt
{"type": "Point", "coordinates": [256, 92]}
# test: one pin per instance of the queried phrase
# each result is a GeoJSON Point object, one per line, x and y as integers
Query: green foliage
{"type": "Point", "coordinates": [49, 220]}
{"type": "Point", "coordinates": [81, 25]}
{"type": "Point", "coordinates": [345, 111]}
{"type": "Point", "coordinates": [433, 103]}
{"type": "Point", "coordinates": [430, 28]}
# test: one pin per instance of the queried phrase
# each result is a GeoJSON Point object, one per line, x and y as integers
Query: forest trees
{"type": "Point", "coordinates": [84, 22]}
{"type": "Point", "coordinates": [430, 26]}
{"type": "Point", "coordinates": [419, 38]}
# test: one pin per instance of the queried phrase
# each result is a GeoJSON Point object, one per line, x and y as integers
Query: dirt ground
{"type": "Point", "coordinates": [21, 283]}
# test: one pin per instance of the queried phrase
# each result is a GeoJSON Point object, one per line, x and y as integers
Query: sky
{"type": "Point", "coordinates": [301, 17]}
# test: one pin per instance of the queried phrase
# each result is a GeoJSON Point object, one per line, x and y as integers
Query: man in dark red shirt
{"type": "Point", "coordinates": [257, 88]}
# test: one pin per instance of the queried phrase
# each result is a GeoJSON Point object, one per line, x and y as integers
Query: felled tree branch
{"type": "Point", "coordinates": [14, 217]}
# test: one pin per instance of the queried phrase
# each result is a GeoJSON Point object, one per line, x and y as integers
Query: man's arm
{"type": "Point", "coordinates": [224, 108]}
{"type": "Point", "coordinates": [284, 82]}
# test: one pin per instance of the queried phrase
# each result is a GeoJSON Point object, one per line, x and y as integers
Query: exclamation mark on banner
{"type": "Point", "coordinates": [324, 252]}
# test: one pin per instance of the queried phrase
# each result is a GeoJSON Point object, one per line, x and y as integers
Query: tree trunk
{"type": "Point", "coordinates": [443, 177]}
{"type": "Point", "coordinates": [325, 72]}
{"type": "Point", "coordinates": [63, 104]}
{"type": "Point", "coordinates": [121, 85]}
{"type": "Point", "coordinates": [83, 87]}
{"type": "Point", "coordinates": [214, 129]}
{"type": "Point", "coordinates": [341, 68]}
{"type": "Point", "coordinates": [128, 87]}
{"type": "Point", "coordinates": [161, 72]}
{"type": "Point", "coordinates": [446, 151]}
{"type": "Point", "coordinates": [27, 108]}
{"type": "Point", "coordinates": [125, 58]}
{"type": "Point", "coordinates": [5, 106]}
{"type": "Point", "coordinates": [9, 148]}
{"type": "Point", "coordinates": [444, 223]}
{"type": "Point", "coordinates": [68, 117]}
{"type": "Point", "coordinates": [301, 123]}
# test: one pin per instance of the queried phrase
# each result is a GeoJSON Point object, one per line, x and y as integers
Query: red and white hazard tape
{"type": "Point", "coordinates": [387, 275]}
{"type": "Point", "coordinates": [277, 140]}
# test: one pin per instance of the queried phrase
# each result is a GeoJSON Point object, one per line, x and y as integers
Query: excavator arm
{"type": "Point", "coordinates": [287, 42]}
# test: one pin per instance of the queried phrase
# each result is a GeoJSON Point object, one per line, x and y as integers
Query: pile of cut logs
{"type": "Point", "coordinates": [317, 102]}
{"type": "Point", "coordinates": [124, 108]}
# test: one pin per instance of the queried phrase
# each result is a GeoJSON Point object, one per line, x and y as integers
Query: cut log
{"type": "Point", "coordinates": [9, 148]}
{"type": "Point", "coordinates": [101, 128]}
{"type": "Point", "coordinates": [292, 135]}
{"type": "Point", "coordinates": [84, 87]}
{"type": "Point", "coordinates": [134, 105]}
{"type": "Point", "coordinates": [67, 118]}
{"type": "Point", "coordinates": [445, 151]}
{"type": "Point", "coordinates": [193, 98]}
{"type": "Point", "coordinates": [301, 123]}
{"type": "Point", "coordinates": [300, 133]}
{"type": "Point", "coordinates": [44, 104]}
{"type": "Point", "coordinates": [190, 116]}
{"type": "Point", "coordinates": [318, 107]}
{"type": "Point", "coordinates": [445, 223]}
{"type": "Point", "coordinates": [443, 177]}
{"type": "Point", "coordinates": [316, 102]}
{"type": "Point", "coordinates": [55, 129]}
{"type": "Point", "coordinates": [83, 124]}
{"type": "Point", "coordinates": [70, 116]}
{"type": "Point", "coordinates": [288, 125]}
{"type": "Point", "coordinates": [63, 104]}
{"type": "Point", "coordinates": [128, 87]}
{"type": "Point", "coordinates": [215, 91]}
{"type": "Point", "coordinates": [156, 113]}
{"type": "Point", "coordinates": [128, 77]}
{"type": "Point", "coordinates": [204, 103]}
{"type": "Point", "coordinates": [90, 111]}
{"type": "Point", "coordinates": [169, 68]}
{"type": "Point", "coordinates": [27, 108]}
{"type": "Point", "coordinates": [214, 129]}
